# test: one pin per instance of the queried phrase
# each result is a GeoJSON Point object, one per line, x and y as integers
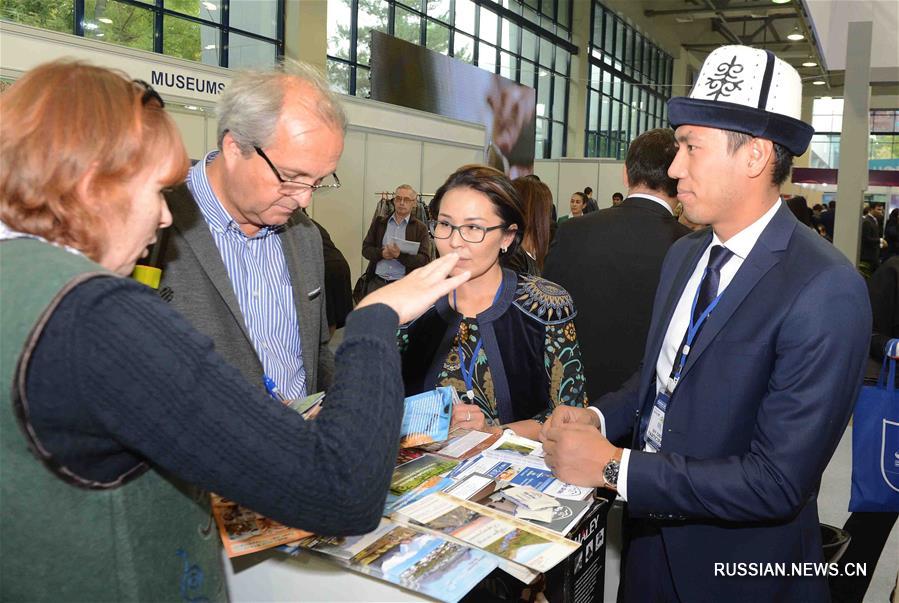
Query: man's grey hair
{"type": "Point", "coordinates": [252, 102]}
{"type": "Point", "coordinates": [408, 187]}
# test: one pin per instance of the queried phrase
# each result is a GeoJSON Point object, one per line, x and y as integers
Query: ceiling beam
{"type": "Point", "coordinates": [739, 8]}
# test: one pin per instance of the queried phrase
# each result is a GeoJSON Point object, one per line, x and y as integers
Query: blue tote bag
{"type": "Point", "coordinates": [875, 442]}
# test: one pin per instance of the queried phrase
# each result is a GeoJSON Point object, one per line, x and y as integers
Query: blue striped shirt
{"type": "Point", "coordinates": [258, 272]}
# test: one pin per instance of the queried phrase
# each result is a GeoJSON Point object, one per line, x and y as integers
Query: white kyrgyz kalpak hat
{"type": "Point", "coordinates": [746, 90]}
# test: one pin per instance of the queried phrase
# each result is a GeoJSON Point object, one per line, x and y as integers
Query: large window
{"type": "Point", "coordinates": [227, 33]}
{"type": "Point", "coordinates": [527, 41]}
{"type": "Point", "coordinates": [629, 84]}
{"type": "Point", "coordinates": [827, 119]}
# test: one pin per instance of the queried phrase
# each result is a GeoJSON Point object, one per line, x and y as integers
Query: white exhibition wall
{"type": "Point", "coordinates": [385, 146]}
{"type": "Point", "coordinates": [566, 176]}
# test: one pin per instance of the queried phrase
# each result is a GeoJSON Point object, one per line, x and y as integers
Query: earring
{"type": "Point", "coordinates": [503, 249]}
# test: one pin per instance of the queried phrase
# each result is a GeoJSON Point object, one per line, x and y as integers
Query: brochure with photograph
{"type": "Point", "coordinates": [426, 417]}
{"type": "Point", "coordinates": [411, 558]}
{"type": "Point", "coordinates": [244, 531]}
{"type": "Point", "coordinates": [462, 443]}
{"type": "Point", "coordinates": [534, 547]}
{"type": "Point", "coordinates": [412, 474]}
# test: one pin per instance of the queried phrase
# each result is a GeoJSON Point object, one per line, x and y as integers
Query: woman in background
{"type": "Point", "coordinates": [537, 202]}
{"type": "Point", "coordinates": [576, 205]}
{"type": "Point", "coordinates": [116, 416]}
{"type": "Point", "coordinates": [505, 341]}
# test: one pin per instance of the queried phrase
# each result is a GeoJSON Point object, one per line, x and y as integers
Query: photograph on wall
{"type": "Point", "coordinates": [409, 75]}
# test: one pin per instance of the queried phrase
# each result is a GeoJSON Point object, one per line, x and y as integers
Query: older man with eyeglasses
{"type": "Point", "coordinates": [241, 262]}
{"type": "Point", "coordinates": [388, 245]}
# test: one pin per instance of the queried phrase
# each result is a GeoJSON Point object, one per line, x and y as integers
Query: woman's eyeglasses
{"type": "Point", "coordinates": [471, 233]}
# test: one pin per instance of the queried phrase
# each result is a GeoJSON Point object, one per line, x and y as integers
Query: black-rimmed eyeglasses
{"type": "Point", "coordinates": [472, 233]}
{"type": "Point", "coordinates": [149, 94]}
{"type": "Point", "coordinates": [293, 186]}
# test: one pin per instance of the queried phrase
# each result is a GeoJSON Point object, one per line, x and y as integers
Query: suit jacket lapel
{"type": "Point", "coordinates": [301, 285]}
{"type": "Point", "coordinates": [189, 222]}
{"type": "Point", "coordinates": [765, 254]}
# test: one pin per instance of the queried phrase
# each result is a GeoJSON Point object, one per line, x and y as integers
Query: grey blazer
{"type": "Point", "coordinates": [201, 290]}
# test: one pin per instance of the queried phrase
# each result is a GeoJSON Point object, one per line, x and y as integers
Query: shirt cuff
{"type": "Point", "coordinates": [602, 419]}
{"type": "Point", "coordinates": [622, 474]}
{"type": "Point", "coordinates": [377, 320]}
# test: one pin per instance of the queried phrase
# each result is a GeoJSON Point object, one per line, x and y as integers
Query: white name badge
{"type": "Point", "coordinates": [657, 423]}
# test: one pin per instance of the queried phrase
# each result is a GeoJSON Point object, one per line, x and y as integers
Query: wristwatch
{"type": "Point", "coordinates": [610, 473]}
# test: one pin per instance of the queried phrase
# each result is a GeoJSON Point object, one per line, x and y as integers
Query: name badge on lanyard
{"type": "Point", "coordinates": [656, 426]}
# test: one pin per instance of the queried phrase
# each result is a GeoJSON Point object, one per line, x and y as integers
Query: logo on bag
{"type": "Point", "coordinates": [889, 458]}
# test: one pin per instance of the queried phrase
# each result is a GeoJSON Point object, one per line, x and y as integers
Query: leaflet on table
{"type": "Point", "coordinates": [409, 557]}
{"type": "Point", "coordinates": [462, 443]}
{"type": "Point", "coordinates": [426, 417]}
{"type": "Point", "coordinates": [433, 484]}
{"type": "Point", "coordinates": [517, 450]}
{"type": "Point", "coordinates": [534, 547]}
{"type": "Point", "coordinates": [505, 471]}
{"type": "Point", "coordinates": [244, 531]}
{"type": "Point", "coordinates": [410, 247]}
{"type": "Point", "coordinates": [564, 517]}
{"type": "Point", "coordinates": [410, 475]}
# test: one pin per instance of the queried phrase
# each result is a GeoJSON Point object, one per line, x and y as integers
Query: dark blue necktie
{"type": "Point", "coordinates": [708, 288]}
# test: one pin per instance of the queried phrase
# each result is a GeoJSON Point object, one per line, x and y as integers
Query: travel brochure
{"type": "Point", "coordinates": [426, 417]}
{"type": "Point", "coordinates": [460, 504]}
{"type": "Point", "coordinates": [512, 539]}
{"type": "Point", "coordinates": [409, 557]}
{"type": "Point", "coordinates": [244, 531]}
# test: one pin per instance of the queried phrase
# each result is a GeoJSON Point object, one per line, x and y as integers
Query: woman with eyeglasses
{"type": "Point", "coordinates": [505, 341]}
{"type": "Point", "coordinates": [117, 417]}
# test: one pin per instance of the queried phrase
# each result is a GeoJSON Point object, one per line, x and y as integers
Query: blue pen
{"type": "Point", "coordinates": [272, 389]}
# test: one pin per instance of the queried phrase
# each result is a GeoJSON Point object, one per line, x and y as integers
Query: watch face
{"type": "Point", "coordinates": [610, 472]}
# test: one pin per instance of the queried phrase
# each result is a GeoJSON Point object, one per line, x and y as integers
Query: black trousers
{"type": "Point", "coordinates": [869, 533]}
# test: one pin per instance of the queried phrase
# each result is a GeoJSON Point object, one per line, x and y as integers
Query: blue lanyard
{"type": "Point", "coordinates": [692, 331]}
{"type": "Point", "coordinates": [468, 371]}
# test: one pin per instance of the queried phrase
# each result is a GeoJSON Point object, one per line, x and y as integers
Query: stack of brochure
{"type": "Point", "coordinates": [461, 504]}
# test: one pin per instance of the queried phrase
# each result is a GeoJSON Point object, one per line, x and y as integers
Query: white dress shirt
{"type": "Point", "coordinates": [740, 245]}
{"type": "Point", "coordinates": [658, 200]}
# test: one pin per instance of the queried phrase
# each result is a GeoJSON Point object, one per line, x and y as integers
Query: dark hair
{"type": "Point", "coordinates": [582, 196]}
{"type": "Point", "coordinates": [620, 196]}
{"type": "Point", "coordinates": [587, 191]}
{"type": "Point", "coordinates": [894, 216]}
{"type": "Point", "coordinates": [783, 159]}
{"type": "Point", "coordinates": [496, 186]}
{"type": "Point", "coordinates": [799, 206]}
{"type": "Point", "coordinates": [648, 159]}
{"type": "Point", "coordinates": [537, 201]}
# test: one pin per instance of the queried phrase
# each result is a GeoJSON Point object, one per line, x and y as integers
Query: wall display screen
{"type": "Point", "coordinates": [409, 75]}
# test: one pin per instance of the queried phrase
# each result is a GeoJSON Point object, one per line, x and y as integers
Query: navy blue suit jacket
{"type": "Point", "coordinates": [764, 399]}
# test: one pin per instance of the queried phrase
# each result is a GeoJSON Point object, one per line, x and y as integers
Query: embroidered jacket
{"type": "Point", "coordinates": [529, 361]}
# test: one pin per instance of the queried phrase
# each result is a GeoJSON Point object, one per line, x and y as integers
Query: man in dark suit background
{"type": "Point", "coordinates": [610, 263]}
{"type": "Point", "coordinates": [730, 421]}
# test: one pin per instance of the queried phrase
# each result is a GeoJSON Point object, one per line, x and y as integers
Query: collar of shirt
{"type": "Point", "coordinates": [653, 198]}
{"type": "Point", "coordinates": [215, 215]}
{"type": "Point", "coordinates": [400, 222]}
{"type": "Point", "coordinates": [742, 243]}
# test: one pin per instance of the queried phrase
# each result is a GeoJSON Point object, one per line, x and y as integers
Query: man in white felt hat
{"type": "Point", "coordinates": [730, 422]}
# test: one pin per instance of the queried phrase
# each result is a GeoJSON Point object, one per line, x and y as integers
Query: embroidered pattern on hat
{"type": "Point", "coordinates": [726, 83]}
